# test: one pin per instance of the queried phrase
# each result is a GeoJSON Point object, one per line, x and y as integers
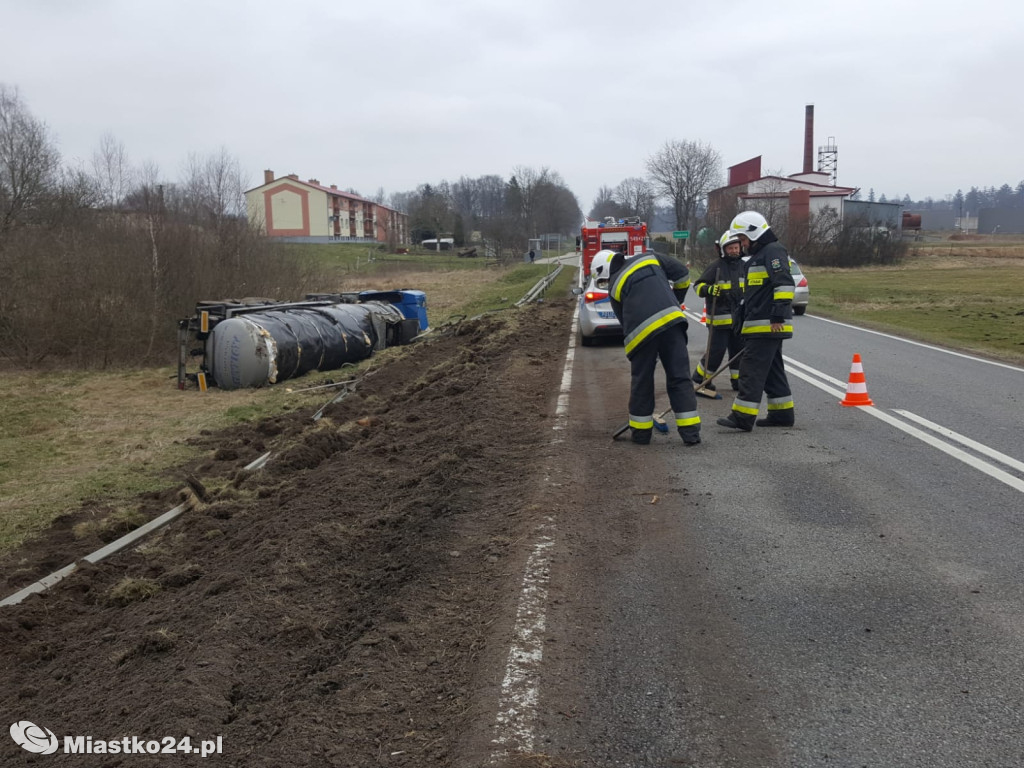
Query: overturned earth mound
{"type": "Point", "coordinates": [331, 608]}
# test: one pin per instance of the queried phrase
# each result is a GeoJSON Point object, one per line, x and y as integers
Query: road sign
{"type": "Point", "coordinates": [681, 235]}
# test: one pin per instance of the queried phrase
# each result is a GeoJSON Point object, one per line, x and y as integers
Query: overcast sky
{"type": "Point", "coordinates": [921, 97]}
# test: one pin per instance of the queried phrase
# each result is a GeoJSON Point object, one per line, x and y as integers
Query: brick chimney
{"type": "Point", "coordinates": [315, 181]}
{"type": "Point", "coordinates": [334, 186]}
{"type": "Point", "coordinates": [809, 139]}
{"type": "Point", "coordinates": [268, 176]}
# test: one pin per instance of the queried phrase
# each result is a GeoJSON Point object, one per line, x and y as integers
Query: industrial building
{"type": "Point", "coordinates": [799, 196]}
{"type": "Point", "coordinates": [307, 211]}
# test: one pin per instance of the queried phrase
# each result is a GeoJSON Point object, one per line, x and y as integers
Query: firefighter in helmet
{"type": "Point", "coordinates": [646, 291]}
{"type": "Point", "coordinates": [767, 319]}
{"type": "Point", "coordinates": [721, 287]}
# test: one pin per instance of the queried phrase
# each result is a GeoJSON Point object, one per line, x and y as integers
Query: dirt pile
{"type": "Point", "coordinates": [329, 609]}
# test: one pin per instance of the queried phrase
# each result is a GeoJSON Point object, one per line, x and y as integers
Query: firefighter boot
{"type": "Point", "coordinates": [698, 377]}
{"type": "Point", "coordinates": [690, 435]}
{"type": "Point", "coordinates": [642, 436]}
{"type": "Point", "coordinates": [732, 422]}
{"type": "Point", "coordinates": [778, 420]}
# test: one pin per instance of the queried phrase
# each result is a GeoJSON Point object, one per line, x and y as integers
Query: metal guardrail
{"type": "Point", "coordinates": [542, 285]}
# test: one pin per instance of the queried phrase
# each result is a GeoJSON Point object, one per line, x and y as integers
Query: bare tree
{"type": "Point", "coordinates": [401, 201]}
{"type": "Point", "coordinates": [558, 209]}
{"type": "Point", "coordinates": [637, 196]}
{"type": "Point", "coordinates": [605, 204]}
{"type": "Point", "coordinates": [543, 201]}
{"type": "Point", "coordinates": [773, 203]}
{"type": "Point", "coordinates": [214, 188]}
{"type": "Point", "coordinates": [490, 196]}
{"type": "Point", "coordinates": [430, 212]}
{"type": "Point", "coordinates": [684, 172]}
{"type": "Point", "coordinates": [29, 161]}
{"type": "Point", "coordinates": [111, 172]}
{"type": "Point", "coordinates": [529, 181]}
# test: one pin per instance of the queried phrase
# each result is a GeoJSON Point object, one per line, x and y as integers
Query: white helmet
{"type": "Point", "coordinates": [727, 238]}
{"type": "Point", "coordinates": [749, 223]}
{"type": "Point", "coordinates": [599, 266]}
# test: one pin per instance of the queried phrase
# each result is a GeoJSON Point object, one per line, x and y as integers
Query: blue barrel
{"type": "Point", "coordinates": [412, 304]}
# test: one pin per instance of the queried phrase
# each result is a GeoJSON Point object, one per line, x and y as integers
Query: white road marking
{"type": "Point", "coordinates": [920, 344]}
{"type": "Point", "coordinates": [562, 409]}
{"type": "Point", "coordinates": [816, 372]}
{"type": "Point", "coordinates": [981, 448]}
{"type": "Point", "coordinates": [520, 688]}
{"type": "Point", "coordinates": [803, 372]}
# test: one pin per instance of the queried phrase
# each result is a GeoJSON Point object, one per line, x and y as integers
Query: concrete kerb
{"type": "Point", "coordinates": [113, 547]}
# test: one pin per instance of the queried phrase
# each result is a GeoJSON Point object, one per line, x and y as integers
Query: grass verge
{"type": "Point", "coordinates": [944, 298]}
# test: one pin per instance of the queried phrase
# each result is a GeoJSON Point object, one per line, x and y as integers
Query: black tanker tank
{"type": "Point", "coordinates": [256, 343]}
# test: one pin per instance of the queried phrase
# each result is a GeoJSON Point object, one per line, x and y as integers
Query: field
{"type": "Point", "coordinates": [70, 438]}
{"type": "Point", "coordinates": [962, 294]}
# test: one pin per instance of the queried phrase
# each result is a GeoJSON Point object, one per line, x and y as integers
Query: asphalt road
{"type": "Point", "coordinates": [849, 592]}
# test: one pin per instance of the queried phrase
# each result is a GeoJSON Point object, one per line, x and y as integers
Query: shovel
{"type": "Point", "coordinates": [701, 388]}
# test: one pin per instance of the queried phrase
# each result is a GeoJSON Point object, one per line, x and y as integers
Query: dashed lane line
{"type": "Point", "coordinates": [808, 374]}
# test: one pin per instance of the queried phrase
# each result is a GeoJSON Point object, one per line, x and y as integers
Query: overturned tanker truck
{"type": "Point", "coordinates": [257, 342]}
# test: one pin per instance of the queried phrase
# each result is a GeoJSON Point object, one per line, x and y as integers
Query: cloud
{"type": "Point", "coordinates": [396, 93]}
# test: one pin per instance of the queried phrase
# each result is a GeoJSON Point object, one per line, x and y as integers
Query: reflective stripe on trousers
{"type": "Point", "coordinates": [670, 347]}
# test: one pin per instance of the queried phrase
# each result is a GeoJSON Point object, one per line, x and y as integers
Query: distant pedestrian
{"type": "Point", "coordinates": [646, 291]}
{"type": "Point", "coordinates": [766, 318]}
{"type": "Point", "coordinates": [532, 255]}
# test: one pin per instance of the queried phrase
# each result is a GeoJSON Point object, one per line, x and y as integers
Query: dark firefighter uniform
{"type": "Point", "coordinates": [728, 274]}
{"type": "Point", "coordinates": [767, 299]}
{"type": "Point", "coordinates": [646, 293]}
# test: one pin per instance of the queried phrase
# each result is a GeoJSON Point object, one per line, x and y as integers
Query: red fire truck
{"type": "Point", "coordinates": [627, 235]}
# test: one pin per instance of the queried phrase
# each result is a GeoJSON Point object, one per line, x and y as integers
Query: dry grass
{"type": "Point", "coordinates": [130, 590]}
{"type": "Point", "coordinates": [447, 292]}
{"type": "Point", "coordinates": [68, 438]}
{"type": "Point", "coordinates": [945, 293]}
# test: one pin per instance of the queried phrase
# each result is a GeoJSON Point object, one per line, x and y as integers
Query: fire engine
{"type": "Point", "coordinates": [627, 235]}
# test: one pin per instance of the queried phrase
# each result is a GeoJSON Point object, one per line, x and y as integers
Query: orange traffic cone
{"type": "Point", "coordinates": [857, 388]}
{"type": "Point", "coordinates": [704, 315]}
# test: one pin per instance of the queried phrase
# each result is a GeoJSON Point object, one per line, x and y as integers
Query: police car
{"type": "Point", "coordinates": [596, 316]}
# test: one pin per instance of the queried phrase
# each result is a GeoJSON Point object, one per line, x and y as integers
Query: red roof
{"type": "Point", "coordinates": [328, 190]}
